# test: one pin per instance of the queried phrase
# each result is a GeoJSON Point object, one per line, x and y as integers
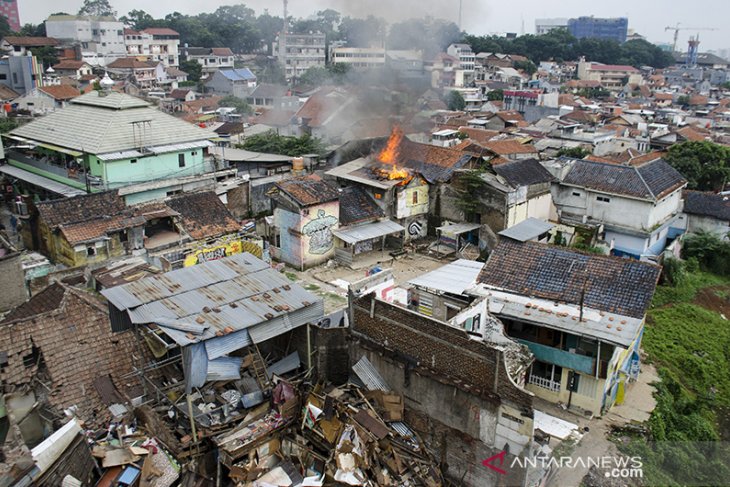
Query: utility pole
{"type": "Point", "coordinates": [460, 28]}
{"type": "Point", "coordinates": [282, 37]}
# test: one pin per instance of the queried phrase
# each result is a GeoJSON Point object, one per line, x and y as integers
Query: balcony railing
{"type": "Point", "coordinates": [544, 383]}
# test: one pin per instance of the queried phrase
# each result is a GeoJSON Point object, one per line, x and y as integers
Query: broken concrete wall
{"type": "Point", "coordinates": [469, 408]}
{"type": "Point", "coordinates": [12, 284]}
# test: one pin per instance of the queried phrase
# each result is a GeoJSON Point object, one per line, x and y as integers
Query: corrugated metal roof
{"type": "Point", "coordinates": [455, 277]}
{"type": "Point", "coordinates": [369, 375]}
{"type": "Point", "coordinates": [368, 231]}
{"type": "Point", "coordinates": [237, 292]}
{"type": "Point", "coordinates": [527, 230]}
{"type": "Point", "coordinates": [458, 228]}
{"type": "Point", "coordinates": [161, 149]}
{"type": "Point", "coordinates": [224, 368]}
{"type": "Point", "coordinates": [287, 364]}
{"type": "Point", "coordinates": [117, 156]}
{"type": "Point", "coordinates": [606, 327]}
{"type": "Point", "coordinates": [40, 181]}
{"type": "Point", "coordinates": [101, 127]}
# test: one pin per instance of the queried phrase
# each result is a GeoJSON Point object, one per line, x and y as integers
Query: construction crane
{"type": "Point", "coordinates": [677, 28]}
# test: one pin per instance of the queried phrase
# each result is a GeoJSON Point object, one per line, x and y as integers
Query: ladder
{"type": "Point", "coordinates": [259, 367]}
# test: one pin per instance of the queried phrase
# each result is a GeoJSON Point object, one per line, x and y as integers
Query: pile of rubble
{"type": "Point", "coordinates": [268, 430]}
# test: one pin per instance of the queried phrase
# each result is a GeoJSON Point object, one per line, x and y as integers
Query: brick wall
{"type": "Point", "coordinates": [12, 284]}
{"type": "Point", "coordinates": [76, 345]}
{"type": "Point", "coordinates": [436, 349]}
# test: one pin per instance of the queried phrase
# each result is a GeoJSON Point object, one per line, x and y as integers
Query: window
{"type": "Point", "coordinates": [194, 153]}
{"type": "Point", "coordinates": [575, 193]}
{"type": "Point", "coordinates": [133, 161]}
{"type": "Point", "coordinates": [94, 32]}
{"type": "Point", "coordinates": [603, 199]}
{"type": "Point", "coordinates": [181, 160]}
{"type": "Point", "coordinates": [415, 197]}
{"type": "Point", "coordinates": [3, 76]}
{"type": "Point", "coordinates": [90, 251]}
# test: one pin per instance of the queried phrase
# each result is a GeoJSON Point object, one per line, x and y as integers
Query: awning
{"type": "Point", "coordinates": [458, 228]}
{"type": "Point", "coordinates": [527, 230]}
{"type": "Point", "coordinates": [117, 156]}
{"type": "Point", "coordinates": [63, 150]}
{"type": "Point", "coordinates": [368, 231]}
{"type": "Point", "coordinates": [161, 149]}
{"type": "Point", "coordinates": [41, 182]}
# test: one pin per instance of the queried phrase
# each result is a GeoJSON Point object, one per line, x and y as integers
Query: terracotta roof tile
{"type": "Point", "coordinates": [29, 41]}
{"type": "Point", "coordinates": [508, 147]}
{"type": "Point", "coordinates": [707, 204]}
{"type": "Point", "coordinates": [356, 206]}
{"type": "Point", "coordinates": [80, 208]}
{"type": "Point", "coordinates": [609, 284]}
{"type": "Point", "coordinates": [308, 190]}
{"type": "Point", "coordinates": [61, 92]}
{"type": "Point", "coordinates": [203, 215]}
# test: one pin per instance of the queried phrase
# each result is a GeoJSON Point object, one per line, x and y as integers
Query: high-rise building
{"type": "Point", "coordinates": [597, 28]}
{"type": "Point", "coordinates": [543, 26]}
{"type": "Point", "coordinates": [9, 10]}
{"type": "Point", "coordinates": [100, 39]}
{"type": "Point", "coordinates": [299, 52]}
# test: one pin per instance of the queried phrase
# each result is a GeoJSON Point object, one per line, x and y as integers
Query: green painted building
{"type": "Point", "coordinates": [108, 140]}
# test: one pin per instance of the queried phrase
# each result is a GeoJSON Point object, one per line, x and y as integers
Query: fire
{"type": "Point", "coordinates": [392, 173]}
{"type": "Point", "coordinates": [389, 154]}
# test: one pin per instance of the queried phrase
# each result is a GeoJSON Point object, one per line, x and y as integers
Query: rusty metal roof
{"type": "Point", "coordinates": [214, 299]}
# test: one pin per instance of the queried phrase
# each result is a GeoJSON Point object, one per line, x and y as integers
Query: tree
{"type": "Point", "coordinates": [526, 66]}
{"type": "Point", "coordinates": [99, 8]}
{"type": "Point", "coordinates": [274, 143]}
{"type": "Point", "coordinates": [705, 165]}
{"type": "Point", "coordinates": [573, 152]}
{"type": "Point", "coordinates": [712, 253]}
{"type": "Point", "coordinates": [32, 30]}
{"type": "Point", "coordinates": [362, 32]}
{"type": "Point", "coordinates": [139, 20]}
{"type": "Point", "coordinates": [5, 29]}
{"type": "Point", "coordinates": [238, 103]}
{"type": "Point", "coordinates": [495, 95]}
{"type": "Point", "coordinates": [456, 101]}
{"type": "Point", "coordinates": [193, 68]}
{"type": "Point", "coordinates": [683, 101]}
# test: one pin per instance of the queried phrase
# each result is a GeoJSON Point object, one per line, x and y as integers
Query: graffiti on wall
{"type": "Point", "coordinates": [319, 231]}
{"type": "Point", "coordinates": [223, 250]}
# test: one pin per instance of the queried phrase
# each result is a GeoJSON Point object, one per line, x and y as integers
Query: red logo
{"type": "Point", "coordinates": [499, 456]}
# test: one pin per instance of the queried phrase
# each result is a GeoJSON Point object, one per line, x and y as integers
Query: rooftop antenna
{"type": "Point", "coordinates": [282, 38]}
{"type": "Point", "coordinates": [460, 29]}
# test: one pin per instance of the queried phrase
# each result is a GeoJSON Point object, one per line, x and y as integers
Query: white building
{"type": "Point", "coordinates": [637, 204]}
{"type": "Point", "coordinates": [359, 57]}
{"type": "Point", "coordinates": [154, 44]}
{"type": "Point", "coordinates": [211, 58]}
{"type": "Point", "coordinates": [101, 38]}
{"type": "Point", "coordinates": [543, 26]}
{"type": "Point", "coordinates": [299, 52]}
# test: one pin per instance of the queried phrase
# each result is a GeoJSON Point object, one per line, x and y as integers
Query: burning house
{"type": "Point", "coordinates": [403, 178]}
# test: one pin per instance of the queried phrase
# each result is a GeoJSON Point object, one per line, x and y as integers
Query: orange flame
{"type": "Point", "coordinates": [389, 154]}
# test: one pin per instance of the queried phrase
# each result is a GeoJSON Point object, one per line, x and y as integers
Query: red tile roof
{"type": "Point", "coordinates": [478, 135]}
{"type": "Point", "coordinates": [130, 63]}
{"type": "Point", "coordinates": [221, 51]}
{"type": "Point", "coordinates": [510, 146]}
{"type": "Point", "coordinates": [29, 41]}
{"type": "Point", "coordinates": [69, 64]}
{"type": "Point", "coordinates": [160, 31]}
{"type": "Point", "coordinates": [613, 67]}
{"type": "Point", "coordinates": [60, 92]}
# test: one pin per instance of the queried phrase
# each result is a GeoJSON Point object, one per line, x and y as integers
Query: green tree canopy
{"type": "Point", "coordinates": [193, 68]}
{"type": "Point", "coordinates": [705, 165]}
{"type": "Point", "coordinates": [559, 45]}
{"type": "Point", "coordinates": [100, 8]}
{"type": "Point", "coordinates": [238, 103]}
{"type": "Point", "coordinates": [455, 101]}
{"type": "Point", "coordinates": [277, 144]}
{"type": "Point", "coordinates": [574, 152]}
{"type": "Point", "coordinates": [495, 95]}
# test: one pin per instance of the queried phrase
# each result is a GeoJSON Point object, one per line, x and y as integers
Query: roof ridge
{"type": "Point", "coordinates": [636, 168]}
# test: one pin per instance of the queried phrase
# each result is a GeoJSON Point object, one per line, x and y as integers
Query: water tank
{"type": "Point", "coordinates": [297, 165]}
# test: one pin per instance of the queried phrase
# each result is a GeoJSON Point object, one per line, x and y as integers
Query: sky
{"type": "Point", "coordinates": [646, 17]}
